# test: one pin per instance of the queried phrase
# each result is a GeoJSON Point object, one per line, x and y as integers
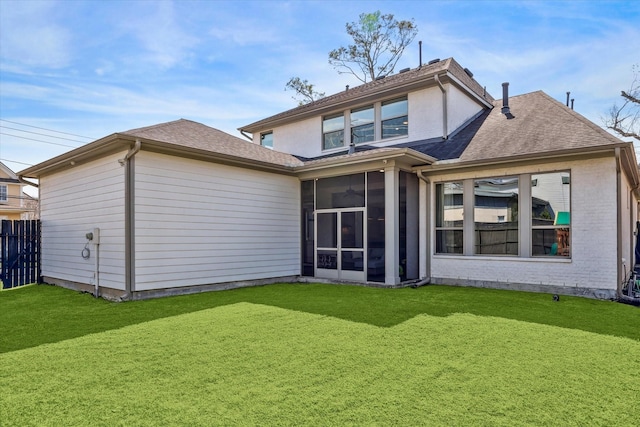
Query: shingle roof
{"type": "Point", "coordinates": [424, 73]}
{"type": "Point", "coordinates": [541, 125]}
{"type": "Point", "coordinates": [192, 134]}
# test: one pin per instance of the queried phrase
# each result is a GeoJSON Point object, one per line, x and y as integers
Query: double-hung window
{"type": "Point", "coordinates": [551, 214]}
{"type": "Point", "coordinates": [395, 118]}
{"type": "Point", "coordinates": [449, 218]}
{"type": "Point", "coordinates": [333, 132]}
{"type": "Point", "coordinates": [266, 139]}
{"type": "Point", "coordinates": [362, 125]}
{"type": "Point", "coordinates": [3, 194]}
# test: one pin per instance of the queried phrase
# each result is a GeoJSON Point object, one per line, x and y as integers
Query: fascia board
{"type": "Point", "coordinates": [107, 145]}
{"type": "Point", "coordinates": [555, 156]}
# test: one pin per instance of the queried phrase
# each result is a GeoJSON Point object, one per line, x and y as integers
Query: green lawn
{"type": "Point", "coordinates": [318, 355]}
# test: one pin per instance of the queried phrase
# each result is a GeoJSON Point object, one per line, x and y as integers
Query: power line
{"type": "Point", "coordinates": [50, 130]}
{"type": "Point", "coordinates": [38, 140]}
{"type": "Point", "coordinates": [43, 134]}
{"type": "Point", "coordinates": [14, 161]}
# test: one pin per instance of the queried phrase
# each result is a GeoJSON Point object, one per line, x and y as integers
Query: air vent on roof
{"type": "Point", "coordinates": [404, 70]}
{"type": "Point", "coordinates": [433, 61]}
{"type": "Point", "coordinates": [380, 77]}
{"type": "Point", "coordinates": [469, 73]}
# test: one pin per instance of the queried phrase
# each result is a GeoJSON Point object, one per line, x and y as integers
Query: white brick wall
{"type": "Point", "coordinates": [593, 262]}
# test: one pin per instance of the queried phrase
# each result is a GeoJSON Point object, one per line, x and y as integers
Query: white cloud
{"type": "Point", "coordinates": [31, 37]}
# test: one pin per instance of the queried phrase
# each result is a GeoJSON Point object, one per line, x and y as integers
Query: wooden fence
{"type": "Point", "coordinates": [20, 249]}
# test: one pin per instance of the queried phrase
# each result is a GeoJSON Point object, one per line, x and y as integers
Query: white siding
{"type": "Point", "coordinates": [73, 203]}
{"type": "Point", "coordinates": [593, 262]}
{"type": "Point", "coordinates": [201, 223]}
{"type": "Point", "coordinates": [461, 108]}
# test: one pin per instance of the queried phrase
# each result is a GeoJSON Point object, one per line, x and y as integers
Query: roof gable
{"type": "Point", "coordinates": [378, 89]}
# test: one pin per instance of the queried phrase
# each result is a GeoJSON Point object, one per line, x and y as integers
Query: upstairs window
{"type": "Point", "coordinates": [333, 132]}
{"type": "Point", "coordinates": [362, 129]}
{"type": "Point", "coordinates": [266, 139]}
{"type": "Point", "coordinates": [395, 118]}
{"type": "Point", "coordinates": [3, 193]}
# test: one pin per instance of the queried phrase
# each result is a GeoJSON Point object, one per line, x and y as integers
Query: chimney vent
{"type": "Point", "coordinates": [346, 88]}
{"type": "Point", "coordinates": [420, 51]}
{"type": "Point", "coordinates": [505, 101]}
{"type": "Point", "coordinates": [568, 94]}
{"type": "Point", "coordinates": [572, 99]}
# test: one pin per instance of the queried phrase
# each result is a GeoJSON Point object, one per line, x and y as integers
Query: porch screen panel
{"type": "Point", "coordinates": [308, 227]}
{"type": "Point", "coordinates": [375, 227]}
{"type": "Point", "coordinates": [340, 192]}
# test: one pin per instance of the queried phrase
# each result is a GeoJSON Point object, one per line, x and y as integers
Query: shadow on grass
{"type": "Point", "coordinates": [43, 314]}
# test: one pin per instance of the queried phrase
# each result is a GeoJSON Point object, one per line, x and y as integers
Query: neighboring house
{"type": "Point", "coordinates": [418, 177]}
{"type": "Point", "coordinates": [13, 204]}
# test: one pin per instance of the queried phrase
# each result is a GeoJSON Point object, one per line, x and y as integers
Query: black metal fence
{"type": "Point", "coordinates": [20, 249]}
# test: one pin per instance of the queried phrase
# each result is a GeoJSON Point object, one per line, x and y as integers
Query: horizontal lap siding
{"type": "Point", "coordinates": [73, 203]}
{"type": "Point", "coordinates": [200, 223]}
{"type": "Point", "coordinates": [593, 235]}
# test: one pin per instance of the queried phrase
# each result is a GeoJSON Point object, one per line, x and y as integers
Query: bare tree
{"type": "Point", "coordinates": [303, 89]}
{"type": "Point", "coordinates": [378, 43]}
{"type": "Point", "coordinates": [624, 119]}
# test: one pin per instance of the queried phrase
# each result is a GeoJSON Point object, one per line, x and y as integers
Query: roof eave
{"type": "Point", "coordinates": [559, 155]}
{"type": "Point", "coordinates": [409, 155]}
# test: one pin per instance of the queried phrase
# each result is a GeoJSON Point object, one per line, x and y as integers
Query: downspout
{"type": "Point", "coordinates": [129, 217]}
{"type": "Point", "coordinates": [427, 279]}
{"type": "Point", "coordinates": [621, 274]}
{"type": "Point", "coordinates": [246, 135]}
{"type": "Point", "coordinates": [445, 131]}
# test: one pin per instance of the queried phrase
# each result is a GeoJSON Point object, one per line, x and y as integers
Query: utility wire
{"type": "Point", "coordinates": [49, 130]}
{"type": "Point", "coordinates": [43, 134]}
{"type": "Point", "coordinates": [13, 161]}
{"type": "Point", "coordinates": [38, 140]}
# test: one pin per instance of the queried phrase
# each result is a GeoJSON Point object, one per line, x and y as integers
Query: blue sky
{"type": "Point", "coordinates": [93, 68]}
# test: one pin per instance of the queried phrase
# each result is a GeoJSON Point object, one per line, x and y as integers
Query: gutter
{"type": "Point", "coordinates": [129, 217]}
{"type": "Point", "coordinates": [246, 135]}
{"type": "Point", "coordinates": [444, 106]}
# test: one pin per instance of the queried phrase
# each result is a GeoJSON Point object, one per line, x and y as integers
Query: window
{"type": "Point", "coordinates": [362, 125]}
{"type": "Point", "coordinates": [333, 132]}
{"type": "Point", "coordinates": [266, 139]}
{"type": "Point", "coordinates": [551, 215]}
{"type": "Point", "coordinates": [3, 193]}
{"type": "Point", "coordinates": [395, 118]}
{"type": "Point", "coordinates": [449, 200]}
{"type": "Point", "coordinates": [495, 215]}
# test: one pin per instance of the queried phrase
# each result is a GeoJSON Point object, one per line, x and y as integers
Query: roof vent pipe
{"type": "Point", "coordinates": [420, 50]}
{"type": "Point", "coordinates": [346, 89]}
{"type": "Point", "coordinates": [572, 99]}
{"type": "Point", "coordinates": [568, 94]}
{"type": "Point", "coordinates": [352, 148]}
{"type": "Point", "coordinates": [505, 101]}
